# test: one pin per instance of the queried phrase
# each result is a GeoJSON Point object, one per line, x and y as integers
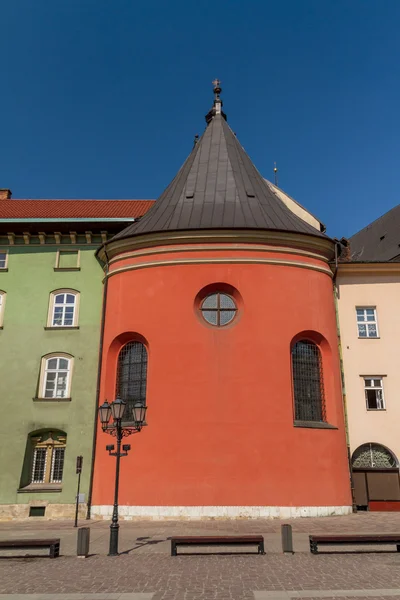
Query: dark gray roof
{"type": "Point", "coordinates": [218, 187]}
{"type": "Point", "coordinates": [379, 241]}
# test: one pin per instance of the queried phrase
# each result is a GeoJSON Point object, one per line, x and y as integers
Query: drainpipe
{"type": "Point", "coordinates": [346, 423]}
{"type": "Point", "coordinates": [102, 326]}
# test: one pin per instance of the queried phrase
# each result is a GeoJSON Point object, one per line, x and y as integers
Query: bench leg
{"type": "Point", "coordinates": [398, 548]}
{"type": "Point", "coordinates": [313, 547]}
{"type": "Point", "coordinates": [173, 549]}
{"type": "Point", "coordinates": [261, 548]}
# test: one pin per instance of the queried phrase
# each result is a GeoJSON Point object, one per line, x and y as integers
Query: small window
{"type": "Point", "coordinates": [2, 306]}
{"type": "Point", "coordinates": [218, 309]}
{"type": "Point", "coordinates": [366, 322]}
{"type": "Point", "coordinates": [63, 309]}
{"type": "Point", "coordinates": [374, 393]}
{"type": "Point", "coordinates": [67, 260]}
{"type": "Point", "coordinates": [3, 259]}
{"type": "Point", "coordinates": [56, 377]}
{"type": "Point", "coordinates": [48, 458]}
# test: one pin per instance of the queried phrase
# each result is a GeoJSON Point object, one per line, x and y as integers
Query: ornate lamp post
{"type": "Point", "coordinates": [116, 410]}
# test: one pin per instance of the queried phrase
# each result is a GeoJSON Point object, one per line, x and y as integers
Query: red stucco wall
{"type": "Point", "coordinates": [220, 408]}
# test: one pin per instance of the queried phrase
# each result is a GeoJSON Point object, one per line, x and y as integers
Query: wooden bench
{"type": "Point", "coordinates": [53, 545]}
{"type": "Point", "coordinates": [359, 540]}
{"type": "Point", "coordinates": [217, 540]}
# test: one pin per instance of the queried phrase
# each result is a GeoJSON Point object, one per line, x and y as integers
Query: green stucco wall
{"type": "Point", "coordinates": [23, 342]}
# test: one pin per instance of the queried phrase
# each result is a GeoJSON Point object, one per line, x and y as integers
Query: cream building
{"type": "Point", "coordinates": [368, 300]}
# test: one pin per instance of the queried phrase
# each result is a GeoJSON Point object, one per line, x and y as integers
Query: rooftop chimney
{"type": "Point", "coordinates": [5, 194]}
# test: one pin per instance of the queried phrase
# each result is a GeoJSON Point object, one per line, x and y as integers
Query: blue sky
{"type": "Point", "coordinates": [102, 99]}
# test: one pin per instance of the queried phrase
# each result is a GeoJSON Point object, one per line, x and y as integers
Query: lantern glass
{"type": "Point", "coordinates": [118, 408]}
{"type": "Point", "coordinates": [139, 414]}
{"type": "Point", "coordinates": [104, 414]}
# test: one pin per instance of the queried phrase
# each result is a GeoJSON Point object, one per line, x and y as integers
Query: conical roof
{"type": "Point", "coordinates": [218, 187]}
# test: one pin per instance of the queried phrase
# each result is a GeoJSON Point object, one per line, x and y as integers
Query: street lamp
{"type": "Point", "coordinates": [116, 410]}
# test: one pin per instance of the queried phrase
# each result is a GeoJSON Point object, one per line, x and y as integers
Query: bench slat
{"type": "Point", "coordinates": [321, 539]}
{"type": "Point", "coordinates": [28, 543]}
{"type": "Point", "coordinates": [217, 540]}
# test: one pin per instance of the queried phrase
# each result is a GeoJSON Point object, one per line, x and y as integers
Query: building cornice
{"type": "Point", "coordinates": [217, 248]}
{"type": "Point", "coordinates": [378, 268]}
{"type": "Point", "coordinates": [324, 247]}
{"type": "Point", "coordinates": [221, 261]}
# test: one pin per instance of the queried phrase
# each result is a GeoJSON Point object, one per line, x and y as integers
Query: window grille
{"type": "Point", "coordinates": [132, 376]}
{"type": "Point", "coordinates": [367, 322]}
{"type": "Point", "coordinates": [3, 260]}
{"type": "Point", "coordinates": [218, 309]}
{"type": "Point", "coordinates": [57, 465]}
{"type": "Point", "coordinates": [48, 458]}
{"type": "Point", "coordinates": [373, 456]}
{"type": "Point", "coordinates": [39, 465]}
{"type": "Point", "coordinates": [309, 400]}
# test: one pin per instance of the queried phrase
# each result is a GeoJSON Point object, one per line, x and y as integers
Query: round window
{"type": "Point", "coordinates": [218, 309]}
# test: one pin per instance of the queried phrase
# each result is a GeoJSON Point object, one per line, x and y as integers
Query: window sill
{"type": "Point", "coordinates": [36, 399]}
{"type": "Point", "coordinates": [4, 270]}
{"type": "Point", "coordinates": [40, 488]}
{"type": "Point", "coordinates": [376, 409]}
{"type": "Point", "coordinates": [67, 268]}
{"type": "Point", "coordinates": [314, 425]}
{"type": "Point", "coordinates": [362, 337]}
{"type": "Point", "coordinates": [63, 327]}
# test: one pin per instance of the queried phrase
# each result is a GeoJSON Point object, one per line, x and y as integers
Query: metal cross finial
{"type": "Point", "coordinates": [216, 83]}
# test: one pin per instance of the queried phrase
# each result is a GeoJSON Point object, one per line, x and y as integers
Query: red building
{"type": "Point", "coordinates": [220, 316]}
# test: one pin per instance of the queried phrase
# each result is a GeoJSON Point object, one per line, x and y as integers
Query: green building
{"type": "Point", "coordinates": [51, 294]}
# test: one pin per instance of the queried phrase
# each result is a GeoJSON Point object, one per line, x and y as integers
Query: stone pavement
{"type": "Point", "coordinates": [146, 567]}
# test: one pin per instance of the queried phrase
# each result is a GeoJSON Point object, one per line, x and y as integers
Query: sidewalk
{"type": "Point", "coordinates": [145, 564]}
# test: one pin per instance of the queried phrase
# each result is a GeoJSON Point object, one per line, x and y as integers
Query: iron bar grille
{"type": "Point", "coordinates": [132, 376]}
{"type": "Point", "coordinates": [309, 400]}
{"type": "Point", "coordinates": [57, 466]}
{"type": "Point", "coordinates": [39, 465]}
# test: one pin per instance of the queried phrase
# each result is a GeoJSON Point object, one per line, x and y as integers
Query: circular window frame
{"type": "Point", "coordinates": [218, 310]}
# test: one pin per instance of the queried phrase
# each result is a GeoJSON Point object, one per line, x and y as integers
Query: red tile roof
{"type": "Point", "coordinates": [73, 209]}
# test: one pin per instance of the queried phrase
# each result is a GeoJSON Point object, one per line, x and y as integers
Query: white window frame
{"type": "Point", "coordinates": [45, 371]}
{"type": "Point", "coordinates": [52, 307]}
{"type": "Point", "coordinates": [378, 388]}
{"type": "Point", "coordinates": [2, 251]}
{"type": "Point", "coordinates": [3, 296]}
{"type": "Point", "coordinates": [366, 323]}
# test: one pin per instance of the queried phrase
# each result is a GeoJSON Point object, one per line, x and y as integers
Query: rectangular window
{"type": "Point", "coordinates": [3, 259]}
{"type": "Point", "coordinates": [367, 322]}
{"type": "Point", "coordinates": [39, 465]}
{"type": "Point", "coordinates": [67, 259]}
{"type": "Point", "coordinates": [374, 393]}
{"type": "Point", "coordinates": [57, 465]}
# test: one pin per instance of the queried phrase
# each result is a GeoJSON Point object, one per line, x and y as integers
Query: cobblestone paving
{"type": "Point", "coordinates": [146, 566]}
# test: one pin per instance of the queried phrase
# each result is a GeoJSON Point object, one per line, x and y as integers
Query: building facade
{"type": "Point", "coordinates": [51, 295]}
{"type": "Point", "coordinates": [368, 289]}
{"type": "Point", "coordinates": [220, 317]}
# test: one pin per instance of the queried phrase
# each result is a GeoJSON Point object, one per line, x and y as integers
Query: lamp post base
{"type": "Point", "coordinates": [114, 530]}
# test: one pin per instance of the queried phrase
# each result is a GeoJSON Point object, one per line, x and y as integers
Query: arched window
{"type": "Point", "coordinates": [56, 376]}
{"type": "Point", "coordinates": [2, 306]}
{"type": "Point", "coordinates": [373, 456]}
{"type": "Point", "coordinates": [63, 308]}
{"type": "Point", "coordinates": [48, 452]}
{"type": "Point", "coordinates": [132, 375]}
{"type": "Point", "coordinates": [308, 384]}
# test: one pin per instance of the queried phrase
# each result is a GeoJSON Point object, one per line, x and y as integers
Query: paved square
{"type": "Point", "coordinates": [146, 567]}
